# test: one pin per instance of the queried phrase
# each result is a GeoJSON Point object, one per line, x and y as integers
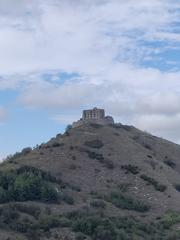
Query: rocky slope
{"type": "Point", "coordinates": [93, 182]}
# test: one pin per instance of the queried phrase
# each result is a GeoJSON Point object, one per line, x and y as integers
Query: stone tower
{"type": "Point", "coordinates": [94, 113]}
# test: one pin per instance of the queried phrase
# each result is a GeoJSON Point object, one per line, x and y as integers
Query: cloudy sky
{"type": "Point", "coordinates": [58, 57]}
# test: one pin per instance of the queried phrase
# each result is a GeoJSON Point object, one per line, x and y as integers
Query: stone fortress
{"type": "Point", "coordinates": [94, 115]}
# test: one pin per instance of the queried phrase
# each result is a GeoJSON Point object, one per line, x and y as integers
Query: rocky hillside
{"type": "Point", "coordinates": [93, 182]}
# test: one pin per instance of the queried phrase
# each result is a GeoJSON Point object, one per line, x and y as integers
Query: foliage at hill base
{"type": "Point", "coordinates": [33, 223]}
{"type": "Point", "coordinates": [27, 184]}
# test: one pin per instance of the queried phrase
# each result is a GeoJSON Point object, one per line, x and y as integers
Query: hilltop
{"type": "Point", "coordinates": [95, 181]}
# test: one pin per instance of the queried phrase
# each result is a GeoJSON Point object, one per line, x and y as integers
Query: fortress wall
{"type": "Point", "coordinates": [103, 121]}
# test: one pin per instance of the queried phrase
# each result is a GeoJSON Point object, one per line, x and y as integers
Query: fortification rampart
{"type": "Point", "coordinates": [94, 115]}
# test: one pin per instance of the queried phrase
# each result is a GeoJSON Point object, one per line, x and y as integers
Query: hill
{"type": "Point", "coordinates": [96, 182]}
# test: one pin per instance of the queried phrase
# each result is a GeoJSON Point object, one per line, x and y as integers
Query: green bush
{"type": "Point", "coordinates": [98, 156]}
{"type": "Point", "coordinates": [27, 209]}
{"type": "Point", "coordinates": [154, 183]}
{"type": "Point", "coordinates": [47, 223]}
{"type": "Point", "coordinates": [105, 231]}
{"type": "Point", "coordinates": [94, 155]}
{"type": "Point", "coordinates": [27, 184]}
{"type": "Point", "coordinates": [36, 171]}
{"type": "Point", "coordinates": [68, 128]}
{"type": "Point", "coordinates": [108, 164]}
{"type": "Point", "coordinates": [177, 187]}
{"type": "Point", "coordinates": [100, 227]}
{"type": "Point", "coordinates": [68, 199]}
{"type": "Point", "coordinates": [96, 227]}
{"type": "Point", "coordinates": [131, 169]}
{"type": "Point", "coordinates": [123, 201]}
{"type": "Point", "coordinates": [57, 144]}
{"type": "Point", "coordinates": [80, 236]}
{"type": "Point", "coordinates": [25, 151]}
{"type": "Point", "coordinates": [170, 218]}
{"type": "Point", "coordinates": [147, 146]}
{"type": "Point", "coordinates": [48, 193]}
{"type": "Point", "coordinates": [4, 196]}
{"type": "Point", "coordinates": [170, 163]}
{"type": "Point", "coordinates": [86, 225]}
{"type": "Point", "coordinates": [98, 204]}
{"type": "Point", "coordinates": [94, 144]}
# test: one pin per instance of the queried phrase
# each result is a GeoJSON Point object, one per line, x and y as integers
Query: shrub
{"type": "Point", "coordinates": [94, 144]}
{"type": "Point", "coordinates": [131, 168]}
{"type": "Point", "coordinates": [46, 223]}
{"type": "Point", "coordinates": [24, 225]}
{"type": "Point", "coordinates": [26, 184]}
{"type": "Point", "coordinates": [4, 197]}
{"type": "Point", "coordinates": [161, 188]}
{"type": "Point", "coordinates": [154, 183]}
{"type": "Point", "coordinates": [48, 193]}
{"type": "Point", "coordinates": [99, 227]}
{"type": "Point", "coordinates": [80, 236]}
{"type": "Point", "coordinates": [108, 163]}
{"type": "Point", "coordinates": [95, 125]}
{"type": "Point", "coordinates": [26, 150]}
{"type": "Point", "coordinates": [170, 218]}
{"type": "Point", "coordinates": [73, 166]}
{"type": "Point", "coordinates": [123, 201]}
{"type": "Point", "coordinates": [8, 215]}
{"type": "Point", "coordinates": [69, 127]}
{"type": "Point", "coordinates": [147, 146]}
{"type": "Point", "coordinates": [74, 158]}
{"type": "Point", "coordinates": [68, 199]}
{"type": "Point", "coordinates": [75, 188]}
{"type": "Point", "coordinates": [105, 231]}
{"type": "Point", "coordinates": [86, 225]}
{"type": "Point", "coordinates": [98, 156]}
{"type": "Point", "coordinates": [116, 125]}
{"type": "Point", "coordinates": [71, 148]}
{"type": "Point", "coordinates": [57, 144]}
{"type": "Point", "coordinates": [95, 155]}
{"type": "Point", "coordinates": [98, 204]}
{"type": "Point", "coordinates": [177, 187]}
{"type": "Point", "coordinates": [28, 209]}
{"type": "Point", "coordinates": [116, 134]}
{"type": "Point", "coordinates": [170, 163]}
{"type": "Point", "coordinates": [37, 172]}
{"type": "Point", "coordinates": [124, 187]}
{"type": "Point", "coordinates": [152, 163]}
{"type": "Point", "coordinates": [11, 158]}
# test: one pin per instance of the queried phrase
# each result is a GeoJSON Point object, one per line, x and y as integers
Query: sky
{"type": "Point", "coordinates": [58, 57]}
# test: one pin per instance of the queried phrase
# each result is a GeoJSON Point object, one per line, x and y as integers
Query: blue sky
{"type": "Point", "coordinates": [60, 57]}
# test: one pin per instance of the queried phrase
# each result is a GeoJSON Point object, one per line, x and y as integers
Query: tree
{"type": "Point", "coordinates": [69, 127]}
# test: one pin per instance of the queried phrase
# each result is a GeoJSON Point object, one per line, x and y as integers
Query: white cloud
{"type": "Point", "coordinates": [160, 125]}
{"type": "Point", "coordinates": [66, 119]}
{"type": "Point", "coordinates": [147, 90]}
{"type": "Point", "coordinates": [104, 43]}
{"type": "Point", "coordinates": [167, 103]}
{"type": "Point", "coordinates": [70, 95]}
{"type": "Point", "coordinates": [84, 36]}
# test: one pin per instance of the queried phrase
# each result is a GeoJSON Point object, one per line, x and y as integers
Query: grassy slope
{"type": "Point", "coordinates": [105, 178]}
